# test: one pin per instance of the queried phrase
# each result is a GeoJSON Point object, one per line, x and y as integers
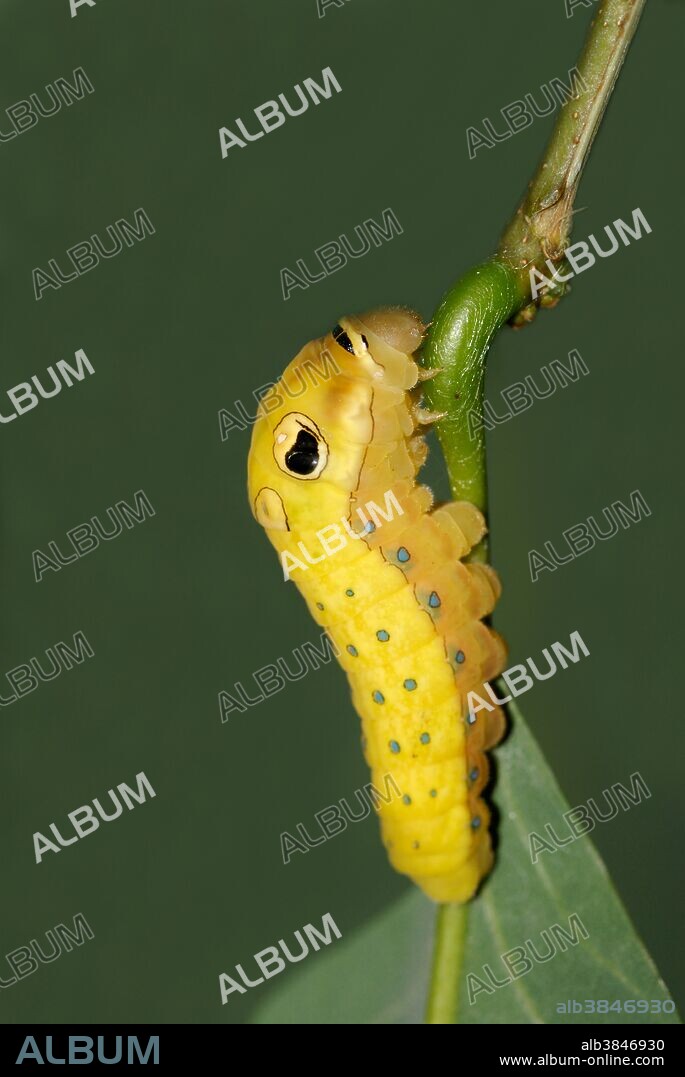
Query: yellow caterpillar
{"type": "Point", "coordinates": [400, 606]}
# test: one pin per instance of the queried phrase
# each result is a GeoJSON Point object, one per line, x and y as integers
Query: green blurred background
{"type": "Point", "coordinates": [193, 600]}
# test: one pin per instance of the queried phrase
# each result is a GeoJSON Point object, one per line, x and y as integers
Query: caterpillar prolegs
{"type": "Point", "coordinates": [390, 587]}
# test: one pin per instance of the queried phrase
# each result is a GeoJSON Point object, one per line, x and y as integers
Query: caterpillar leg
{"type": "Point", "coordinates": [463, 523]}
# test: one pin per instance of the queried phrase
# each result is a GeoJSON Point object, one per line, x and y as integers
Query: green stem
{"type": "Point", "coordinates": [541, 226]}
{"type": "Point", "coordinates": [450, 934]}
{"type": "Point", "coordinates": [469, 316]}
{"type": "Point", "coordinates": [458, 342]}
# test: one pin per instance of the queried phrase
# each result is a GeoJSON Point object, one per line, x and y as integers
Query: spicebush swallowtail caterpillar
{"type": "Point", "coordinates": [401, 607]}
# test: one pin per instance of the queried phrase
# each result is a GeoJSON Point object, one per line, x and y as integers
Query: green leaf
{"type": "Point", "coordinates": [380, 974]}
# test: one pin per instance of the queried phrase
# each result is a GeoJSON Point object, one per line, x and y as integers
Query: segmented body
{"type": "Point", "coordinates": [332, 477]}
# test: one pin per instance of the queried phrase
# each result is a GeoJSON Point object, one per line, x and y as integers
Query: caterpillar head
{"type": "Point", "coordinates": [315, 425]}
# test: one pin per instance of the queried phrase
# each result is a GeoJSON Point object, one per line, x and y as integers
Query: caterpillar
{"type": "Point", "coordinates": [402, 608]}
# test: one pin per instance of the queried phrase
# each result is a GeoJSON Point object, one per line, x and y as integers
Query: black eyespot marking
{"type": "Point", "coordinates": [299, 447]}
{"type": "Point", "coordinates": [303, 458]}
{"type": "Point", "coordinates": [342, 338]}
{"type": "Point", "coordinates": [366, 343]}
